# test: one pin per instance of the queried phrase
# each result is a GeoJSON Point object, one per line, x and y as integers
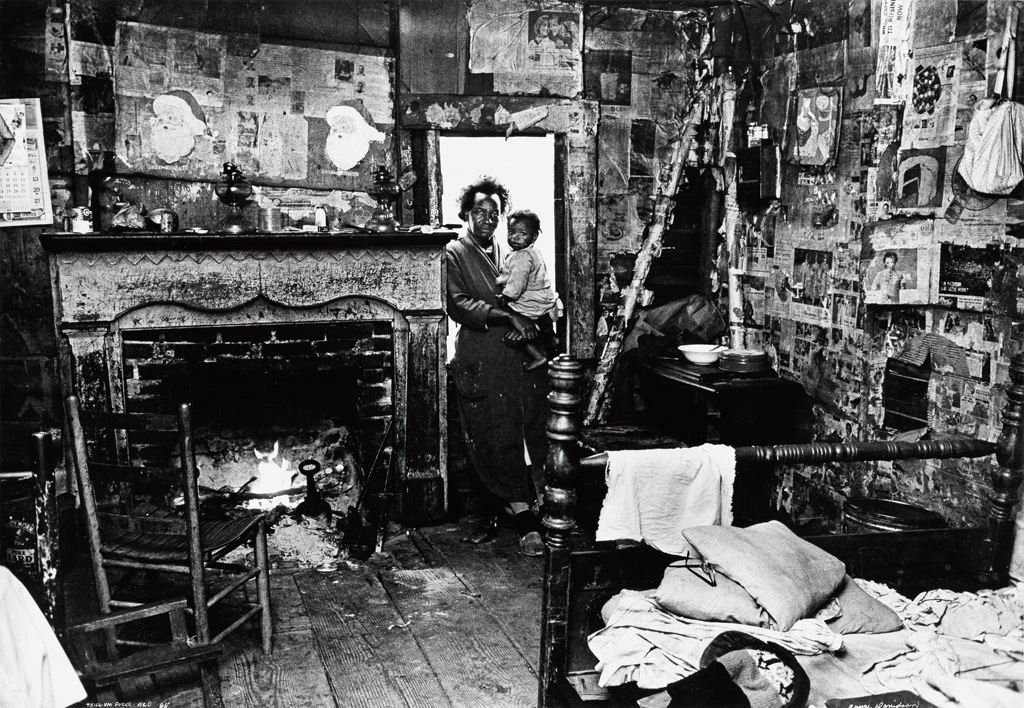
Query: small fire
{"type": "Point", "coordinates": [271, 476]}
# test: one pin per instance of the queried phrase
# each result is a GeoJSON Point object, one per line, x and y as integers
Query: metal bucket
{"type": "Point", "coordinates": [865, 515]}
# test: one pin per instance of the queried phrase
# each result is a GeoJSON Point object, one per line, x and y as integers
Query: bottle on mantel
{"type": "Point", "coordinates": [100, 173]}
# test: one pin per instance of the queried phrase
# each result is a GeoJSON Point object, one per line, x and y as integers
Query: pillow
{"type": "Point", "coordinates": [684, 593]}
{"type": "Point", "coordinates": [786, 575]}
{"type": "Point", "coordinates": [861, 613]}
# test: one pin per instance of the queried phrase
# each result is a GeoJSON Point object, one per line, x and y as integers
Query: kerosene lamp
{"type": "Point", "coordinates": [384, 191]}
{"type": "Point", "coordinates": [234, 190]}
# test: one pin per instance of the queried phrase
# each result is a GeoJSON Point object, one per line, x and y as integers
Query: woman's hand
{"type": "Point", "coordinates": [524, 329]}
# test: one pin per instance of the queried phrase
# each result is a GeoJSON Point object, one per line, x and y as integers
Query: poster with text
{"type": "Point", "coordinates": [895, 43]}
{"type": "Point", "coordinates": [929, 118]}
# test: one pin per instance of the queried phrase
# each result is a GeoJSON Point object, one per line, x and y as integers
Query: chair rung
{"type": "Point", "coordinates": [150, 660]}
{"type": "Point", "coordinates": [226, 590]}
{"type": "Point", "coordinates": [237, 623]}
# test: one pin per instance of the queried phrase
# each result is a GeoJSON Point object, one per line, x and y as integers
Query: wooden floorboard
{"type": "Point", "coordinates": [370, 657]}
{"type": "Point", "coordinates": [430, 623]}
{"type": "Point", "coordinates": [509, 584]}
{"type": "Point", "coordinates": [474, 659]}
{"type": "Point", "coordinates": [292, 676]}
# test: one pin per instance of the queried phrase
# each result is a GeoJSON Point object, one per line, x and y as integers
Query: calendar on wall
{"type": "Point", "coordinates": [24, 183]}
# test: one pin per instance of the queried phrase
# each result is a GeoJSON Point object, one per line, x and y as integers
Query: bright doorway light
{"type": "Point", "coordinates": [524, 164]}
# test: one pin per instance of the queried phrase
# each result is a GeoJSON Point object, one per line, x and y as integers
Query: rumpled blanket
{"type": "Point", "coordinates": [643, 643]}
{"type": "Point", "coordinates": [34, 670]}
{"type": "Point", "coordinates": [963, 649]}
{"type": "Point", "coordinates": [654, 494]}
{"type": "Point", "coordinates": [931, 657]}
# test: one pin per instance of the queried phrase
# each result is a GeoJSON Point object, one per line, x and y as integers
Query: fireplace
{"type": "Point", "coordinates": [319, 343]}
{"type": "Point", "coordinates": [255, 388]}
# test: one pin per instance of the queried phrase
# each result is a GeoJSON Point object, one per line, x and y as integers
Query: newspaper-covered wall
{"type": "Point", "coordinates": [528, 47]}
{"type": "Point", "coordinates": [189, 101]}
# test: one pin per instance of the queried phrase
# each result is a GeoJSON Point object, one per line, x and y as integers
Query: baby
{"type": "Point", "coordinates": [524, 286]}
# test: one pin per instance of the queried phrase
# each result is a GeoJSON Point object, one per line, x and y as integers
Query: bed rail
{"type": "Point", "coordinates": [563, 470]}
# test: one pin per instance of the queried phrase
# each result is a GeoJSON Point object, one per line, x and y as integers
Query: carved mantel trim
{"type": "Point", "coordinates": [97, 285]}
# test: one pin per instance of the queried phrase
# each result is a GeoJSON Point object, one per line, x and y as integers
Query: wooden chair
{"type": "Point", "coordinates": [105, 669]}
{"type": "Point", "coordinates": [138, 533]}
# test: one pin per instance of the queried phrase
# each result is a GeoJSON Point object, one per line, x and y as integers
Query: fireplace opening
{"type": "Point", "coordinates": [266, 398]}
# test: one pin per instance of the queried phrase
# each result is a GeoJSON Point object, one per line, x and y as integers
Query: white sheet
{"type": "Point", "coordinates": [34, 670]}
{"type": "Point", "coordinates": [654, 494]}
{"type": "Point", "coordinates": [958, 650]}
{"type": "Point", "coordinates": [643, 643]}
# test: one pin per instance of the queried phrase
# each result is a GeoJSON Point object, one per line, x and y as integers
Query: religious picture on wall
{"type": "Point", "coordinates": [609, 76]}
{"type": "Point", "coordinates": [813, 134]}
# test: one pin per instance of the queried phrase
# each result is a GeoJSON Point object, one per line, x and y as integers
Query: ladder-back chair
{"type": "Point", "coordinates": [132, 527]}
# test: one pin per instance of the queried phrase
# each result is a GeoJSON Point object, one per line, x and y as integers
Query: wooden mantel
{"type": "Point", "coordinates": [105, 284]}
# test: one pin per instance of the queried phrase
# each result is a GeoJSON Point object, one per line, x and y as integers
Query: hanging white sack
{"type": "Point", "coordinates": [993, 161]}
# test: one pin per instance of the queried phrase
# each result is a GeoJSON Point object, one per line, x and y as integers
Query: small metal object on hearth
{"type": "Point", "coordinates": [313, 505]}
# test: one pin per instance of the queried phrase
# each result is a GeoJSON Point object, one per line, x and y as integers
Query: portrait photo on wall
{"type": "Point", "coordinates": [813, 134]}
{"type": "Point", "coordinates": [891, 277]}
{"type": "Point", "coordinates": [553, 38]}
{"type": "Point", "coordinates": [812, 275]}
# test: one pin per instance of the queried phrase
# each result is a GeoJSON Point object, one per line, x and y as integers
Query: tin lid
{"type": "Point", "coordinates": [744, 355]}
{"type": "Point", "coordinates": [744, 360]}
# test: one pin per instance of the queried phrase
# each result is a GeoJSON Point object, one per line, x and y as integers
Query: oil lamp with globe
{"type": "Point", "coordinates": [384, 191]}
{"type": "Point", "coordinates": [234, 190]}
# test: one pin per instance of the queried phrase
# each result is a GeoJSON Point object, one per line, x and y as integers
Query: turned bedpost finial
{"type": "Point", "coordinates": [1006, 479]}
{"type": "Point", "coordinates": [565, 375]}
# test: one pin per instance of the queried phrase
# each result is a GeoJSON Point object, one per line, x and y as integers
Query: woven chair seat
{"type": "Point", "coordinates": [172, 547]}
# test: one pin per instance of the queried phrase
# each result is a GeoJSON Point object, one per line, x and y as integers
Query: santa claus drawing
{"type": "Point", "coordinates": [350, 137]}
{"type": "Point", "coordinates": [176, 123]}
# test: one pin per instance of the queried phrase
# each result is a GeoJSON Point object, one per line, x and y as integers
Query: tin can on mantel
{"type": "Point", "coordinates": [270, 220]}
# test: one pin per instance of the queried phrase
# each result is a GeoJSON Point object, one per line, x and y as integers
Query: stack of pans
{"type": "Point", "coordinates": [744, 360]}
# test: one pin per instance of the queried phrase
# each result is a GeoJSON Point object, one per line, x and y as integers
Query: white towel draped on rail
{"type": "Point", "coordinates": [654, 494]}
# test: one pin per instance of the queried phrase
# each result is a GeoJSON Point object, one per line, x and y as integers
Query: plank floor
{"type": "Point", "coordinates": [430, 623]}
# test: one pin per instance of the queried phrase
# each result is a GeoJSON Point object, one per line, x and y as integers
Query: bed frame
{"type": "Point", "coordinates": [579, 575]}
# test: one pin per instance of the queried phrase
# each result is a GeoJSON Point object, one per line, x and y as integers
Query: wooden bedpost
{"type": "Point", "coordinates": [1006, 479]}
{"type": "Point", "coordinates": [561, 473]}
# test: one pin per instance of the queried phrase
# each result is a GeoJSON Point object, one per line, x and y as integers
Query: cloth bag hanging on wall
{"type": "Point", "coordinates": [993, 161]}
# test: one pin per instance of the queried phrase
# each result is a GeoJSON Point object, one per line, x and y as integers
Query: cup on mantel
{"type": "Point", "coordinates": [80, 220]}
